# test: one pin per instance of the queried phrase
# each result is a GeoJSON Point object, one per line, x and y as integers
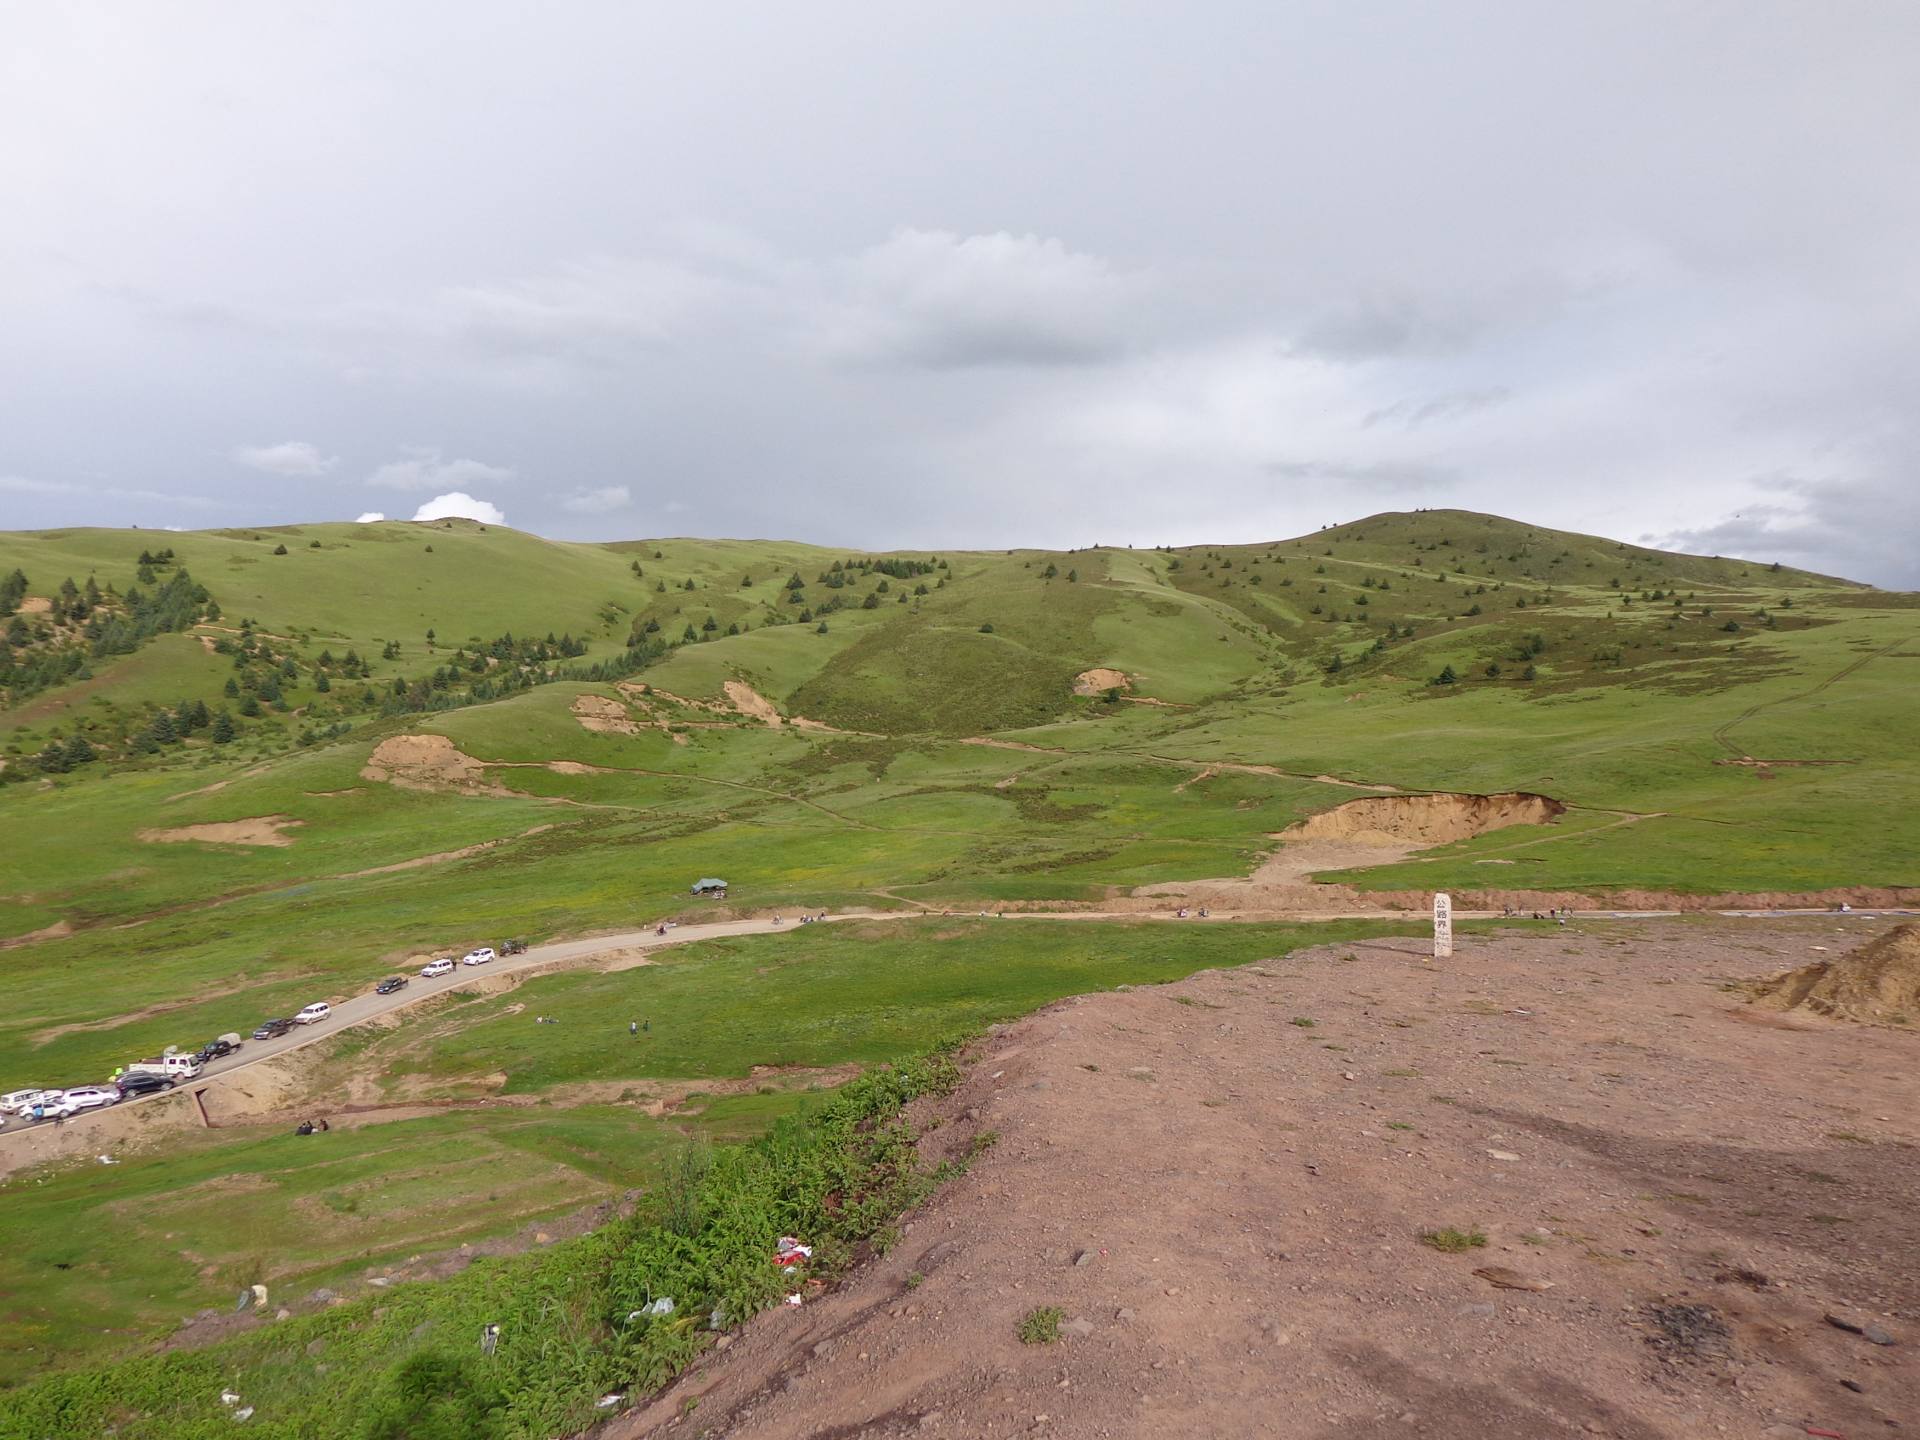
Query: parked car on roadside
{"type": "Point", "coordinates": [142, 1082]}
{"type": "Point", "coordinates": [389, 985]}
{"type": "Point", "coordinates": [19, 1102]}
{"type": "Point", "coordinates": [437, 968]}
{"type": "Point", "coordinates": [483, 956]}
{"type": "Point", "coordinates": [313, 1014]}
{"type": "Point", "coordinates": [91, 1097]}
{"type": "Point", "coordinates": [272, 1029]}
{"type": "Point", "coordinates": [53, 1105]}
{"type": "Point", "coordinates": [220, 1048]}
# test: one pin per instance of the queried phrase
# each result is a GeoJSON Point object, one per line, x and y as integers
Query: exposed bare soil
{"type": "Point", "coordinates": [1098, 682]}
{"type": "Point", "coordinates": [428, 762]}
{"type": "Point", "coordinates": [1228, 1207]}
{"type": "Point", "coordinates": [752, 703]}
{"type": "Point", "coordinates": [261, 830]}
{"type": "Point", "coordinates": [1879, 983]}
{"type": "Point", "coordinates": [603, 716]}
{"type": "Point", "coordinates": [1436, 819]}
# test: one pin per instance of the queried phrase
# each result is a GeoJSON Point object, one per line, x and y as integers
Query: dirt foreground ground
{"type": "Point", "coordinates": [1227, 1203]}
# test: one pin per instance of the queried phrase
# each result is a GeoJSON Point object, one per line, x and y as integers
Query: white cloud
{"type": "Point", "coordinates": [942, 301]}
{"type": "Point", "coordinates": [424, 469]}
{"type": "Point", "coordinates": [367, 517]}
{"type": "Point", "coordinates": [458, 505]}
{"type": "Point", "coordinates": [293, 458]}
{"type": "Point", "coordinates": [603, 501]}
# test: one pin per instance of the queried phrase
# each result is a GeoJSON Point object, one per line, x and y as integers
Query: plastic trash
{"type": "Point", "coordinates": [245, 1412]}
{"type": "Point", "coordinates": [108, 1160]}
{"type": "Point", "coordinates": [653, 1309]}
{"type": "Point", "coordinates": [789, 1252]}
{"type": "Point", "coordinates": [793, 1299]}
{"type": "Point", "coordinates": [227, 1397]}
{"type": "Point", "coordinates": [489, 1338]}
{"type": "Point", "coordinates": [607, 1402]}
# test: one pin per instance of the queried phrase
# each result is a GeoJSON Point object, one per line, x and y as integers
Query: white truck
{"type": "Point", "coordinates": [173, 1063]}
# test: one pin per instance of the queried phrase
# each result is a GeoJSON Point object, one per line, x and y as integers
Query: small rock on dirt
{"type": "Point", "coordinates": [1508, 1279]}
{"type": "Point", "coordinates": [1084, 1258]}
{"type": "Point", "coordinates": [1077, 1327]}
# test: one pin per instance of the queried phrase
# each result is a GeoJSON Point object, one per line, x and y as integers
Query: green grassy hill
{"type": "Point", "coordinates": [1713, 725]}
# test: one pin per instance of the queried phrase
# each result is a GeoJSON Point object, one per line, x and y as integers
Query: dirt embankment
{"type": "Point", "coordinates": [1377, 830]}
{"type": "Point", "coordinates": [1390, 821]}
{"type": "Point", "coordinates": [1877, 984]}
{"type": "Point", "coordinates": [1100, 681]}
{"type": "Point", "coordinates": [1223, 1186]}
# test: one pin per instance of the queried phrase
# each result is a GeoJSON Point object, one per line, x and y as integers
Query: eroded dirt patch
{"type": "Point", "coordinates": [752, 703]}
{"type": "Point", "coordinates": [1423, 820]}
{"type": "Point", "coordinates": [604, 716]}
{"type": "Point", "coordinates": [261, 830]}
{"type": "Point", "coordinates": [428, 762]}
{"type": "Point", "coordinates": [1099, 681]}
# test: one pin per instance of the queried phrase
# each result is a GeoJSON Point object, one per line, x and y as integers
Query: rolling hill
{"type": "Point", "coordinates": [444, 734]}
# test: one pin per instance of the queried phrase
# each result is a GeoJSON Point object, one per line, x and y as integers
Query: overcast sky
{"type": "Point", "coordinates": [980, 274]}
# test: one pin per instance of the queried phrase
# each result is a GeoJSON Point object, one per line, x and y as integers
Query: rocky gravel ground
{"type": "Point", "coordinates": [1561, 1185]}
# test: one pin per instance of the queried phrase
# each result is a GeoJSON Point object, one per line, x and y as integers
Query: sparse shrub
{"type": "Point", "coordinates": [1041, 1325]}
{"type": "Point", "coordinates": [1450, 1241]}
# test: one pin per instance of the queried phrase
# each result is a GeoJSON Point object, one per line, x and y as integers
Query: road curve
{"type": "Point", "coordinates": [359, 1009]}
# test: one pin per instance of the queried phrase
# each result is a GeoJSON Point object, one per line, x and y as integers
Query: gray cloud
{"type": "Point", "coordinates": [1855, 529]}
{"type": "Point", "coordinates": [1007, 276]}
{"type": "Point", "coordinates": [1389, 477]}
{"type": "Point", "coordinates": [1412, 414]}
{"type": "Point", "coordinates": [943, 301]}
{"type": "Point", "coordinates": [289, 457]}
{"type": "Point", "coordinates": [424, 469]}
{"type": "Point", "coordinates": [603, 501]}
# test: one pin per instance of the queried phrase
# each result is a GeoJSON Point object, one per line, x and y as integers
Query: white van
{"type": "Point", "coordinates": [19, 1102]}
{"type": "Point", "coordinates": [314, 1013]}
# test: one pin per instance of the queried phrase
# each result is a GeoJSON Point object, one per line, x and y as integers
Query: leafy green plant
{"type": "Point", "coordinates": [1040, 1325]}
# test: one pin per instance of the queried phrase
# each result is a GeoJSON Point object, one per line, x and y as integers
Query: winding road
{"type": "Point", "coordinates": [359, 1009]}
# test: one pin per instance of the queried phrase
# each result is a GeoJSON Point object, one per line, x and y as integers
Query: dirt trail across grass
{"type": "Point", "coordinates": [1723, 734]}
{"type": "Point", "coordinates": [1223, 1185]}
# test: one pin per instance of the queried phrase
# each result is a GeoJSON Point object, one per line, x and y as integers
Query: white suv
{"type": "Point", "coordinates": [19, 1102]}
{"type": "Point", "coordinates": [482, 956]}
{"type": "Point", "coordinates": [437, 968]}
{"type": "Point", "coordinates": [92, 1097]}
{"type": "Point", "coordinates": [315, 1012]}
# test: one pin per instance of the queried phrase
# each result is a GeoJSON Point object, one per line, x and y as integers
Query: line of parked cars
{"type": "Point", "coordinates": [172, 1067]}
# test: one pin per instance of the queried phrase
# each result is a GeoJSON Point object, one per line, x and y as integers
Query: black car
{"type": "Point", "coordinates": [142, 1083]}
{"type": "Point", "coordinates": [217, 1050]}
{"type": "Point", "coordinates": [271, 1029]}
{"type": "Point", "coordinates": [390, 984]}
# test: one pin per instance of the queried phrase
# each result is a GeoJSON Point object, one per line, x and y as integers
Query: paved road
{"type": "Point", "coordinates": [361, 1008]}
